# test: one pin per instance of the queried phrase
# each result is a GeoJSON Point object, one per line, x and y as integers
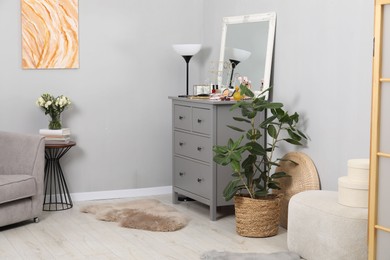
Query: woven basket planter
{"type": "Point", "coordinates": [257, 217]}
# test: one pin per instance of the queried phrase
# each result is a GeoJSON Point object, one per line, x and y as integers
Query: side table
{"type": "Point", "coordinates": [57, 195]}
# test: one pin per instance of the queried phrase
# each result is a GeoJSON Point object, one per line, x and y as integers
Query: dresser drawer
{"type": "Point", "coordinates": [182, 117]}
{"type": "Point", "coordinates": [193, 177]}
{"type": "Point", "coordinates": [201, 120]}
{"type": "Point", "coordinates": [197, 147]}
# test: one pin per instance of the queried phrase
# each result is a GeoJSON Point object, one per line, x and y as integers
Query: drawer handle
{"type": "Point", "coordinates": [181, 117]}
{"type": "Point", "coordinates": [181, 173]}
{"type": "Point", "coordinates": [199, 148]}
{"type": "Point", "coordinates": [200, 120]}
{"type": "Point", "coordinates": [200, 180]}
{"type": "Point", "coordinates": [181, 143]}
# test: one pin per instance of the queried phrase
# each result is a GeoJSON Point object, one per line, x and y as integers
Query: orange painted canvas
{"type": "Point", "coordinates": [50, 34]}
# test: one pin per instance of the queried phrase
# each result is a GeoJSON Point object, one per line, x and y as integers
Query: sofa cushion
{"type": "Point", "coordinates": [14, 187]}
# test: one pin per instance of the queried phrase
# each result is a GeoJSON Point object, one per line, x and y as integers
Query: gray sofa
{"type": "Point", "coordinates": [22, 166]}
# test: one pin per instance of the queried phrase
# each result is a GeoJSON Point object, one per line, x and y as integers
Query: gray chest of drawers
{"type": "Point", "coordinates": [198, 125]}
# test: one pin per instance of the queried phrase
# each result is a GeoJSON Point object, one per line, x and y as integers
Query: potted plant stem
{"type": "Point", "coordinates": [253, 162]}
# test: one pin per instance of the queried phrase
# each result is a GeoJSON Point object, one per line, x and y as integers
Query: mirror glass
{"type": "Point", "coordinates": [246, 50]}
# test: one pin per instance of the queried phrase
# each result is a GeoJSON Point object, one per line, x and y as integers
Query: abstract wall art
{"type": "Point", "coordinates": [50, 34]}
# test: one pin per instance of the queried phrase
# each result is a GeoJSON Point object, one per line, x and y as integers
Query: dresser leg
{"type": "Point", "coordinates": [175, 197]}
{"type": "Point", "coordinates": [213, 213]}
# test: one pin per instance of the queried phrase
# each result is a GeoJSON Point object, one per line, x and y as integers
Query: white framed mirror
{"type": "Point", "coordinates": [250, 38]}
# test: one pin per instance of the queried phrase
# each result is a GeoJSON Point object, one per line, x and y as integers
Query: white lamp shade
{"type": "Point", "coordinates": [237, 54]}
{"type": "Point", "coordinates": [187, 49]}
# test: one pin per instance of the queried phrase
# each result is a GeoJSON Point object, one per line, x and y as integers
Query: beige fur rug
{"type": "Point", "coordinates": [147, 214]}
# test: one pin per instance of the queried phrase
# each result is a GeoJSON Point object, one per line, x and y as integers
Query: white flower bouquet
{"type": "Point", "coordinates": [53, 107]}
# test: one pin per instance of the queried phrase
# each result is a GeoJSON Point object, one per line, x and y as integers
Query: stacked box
{"type": "Point", "coordinates": [353, 189]}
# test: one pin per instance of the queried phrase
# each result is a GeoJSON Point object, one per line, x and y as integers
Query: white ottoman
{"type": "Point", "coordinates": [319, 228]}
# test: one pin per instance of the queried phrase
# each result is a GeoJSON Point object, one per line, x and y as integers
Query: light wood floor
{"type": "Point", "coordinates": [70, 234]}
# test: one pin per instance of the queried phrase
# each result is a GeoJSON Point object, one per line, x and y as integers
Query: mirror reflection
{"type": "Point", "coordinates": [246, 50]}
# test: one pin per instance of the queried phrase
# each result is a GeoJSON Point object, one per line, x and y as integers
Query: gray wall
{"type": "Point", "coordinates": [121, 117]}
{"type": "Point", "coordinates": [322, 70]}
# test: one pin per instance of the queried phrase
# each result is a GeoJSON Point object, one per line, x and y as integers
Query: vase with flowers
{"type": "Point", "coordinates": [53, 106]}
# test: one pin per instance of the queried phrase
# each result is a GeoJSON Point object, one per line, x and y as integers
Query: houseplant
{"type": "Point", "coordinates": [53, 106]}
{"type": "Point", "coordinates": [252, 162]}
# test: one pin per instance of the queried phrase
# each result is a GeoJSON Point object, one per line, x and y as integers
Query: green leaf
{"type": "Point", "coordinates": [245, 111]}
{"type": "Point", "coordinates": [288, 160]}
{"type": "Point", "coordinates": [248, 173]}
{"type": "Point", "coordinates": [257, 183]}
{"type": "Point", "coordinates": [258, 103]}
{"type": "Point", "coordinates": [293, 135]}
{"type": "Point", "coordinates": [261, 193]}
{"type": "Point", "coordinates": [245, 91]}
{"type": "Point", "coordinates": [295, 117]}
{"type": "Point", "coordinates": [253, 134]}
{"type": "Point", "coordinates": [273, 185]}
{"type": "Point", "coordinates": [220, 149]}
{"type": "Point", "coordinates": [278, 112]}
{"type": "Point", "coordinates": [256, 148]}
{"type": "Point", "coordinates": [263, 176]}
{"type": "Point", "coordinates": [252, 114]}
{"type": "Point", "coordinates": [236, 128]}
{"type": "Point", "coordinates": [230, 144]}
{"type": "Point", "coordinates": [267, 121]}
{"type": "Point", "coordinates": [258, 168]}
{"type": "Point", "coordinates": [221, 159]}
{"type": "Point", "coordinates": [272, 131]}
{"type": "Point", "coordinates": [231, 189]}
{"type": "Point", "coordinates": [273, 105]}
{"type": "Point", "coordinates": [277, 175]}
{"type": "Point", "coordinates": [292, 141]}
{"type": "Point", "coordinates": [238, 142]}
{"type": "Point", "coordinates": [240, 119]}
{"type": "Point", "coordinates": [285, 118]}
{"type": "Point", "coordinates": [261, 95]}
{"type": "Point", "coordinates": [235, 106]}
{"type": "Point", "coordinates": [249, 161]}
{"type": "Point", "coordinates": [235, 166]}
{"type": "Point", "coordinates": [236, 156]}
{"type": "Point", "coordinates": [273, 163]}
{"type": "Point", "coordinates": [245, 104]}
{"type": "Point", "coordinates": [301, 134]}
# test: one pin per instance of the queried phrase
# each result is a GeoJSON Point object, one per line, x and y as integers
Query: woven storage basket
{"type": "Point", "coordinates": [257, 217]}
{"type": "Point", "coordinates": [304, 177]}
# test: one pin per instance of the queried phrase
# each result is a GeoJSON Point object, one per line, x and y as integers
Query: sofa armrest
{"type": "Point", "coordinates": [24, 154]}
{"type": "Point", "coordinates": [19, 153]}
{"type": "Point", "coordinates": [39, 172]}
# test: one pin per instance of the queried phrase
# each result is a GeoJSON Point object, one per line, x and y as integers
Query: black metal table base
{"type": "Point", "coordinates": [57, 195]}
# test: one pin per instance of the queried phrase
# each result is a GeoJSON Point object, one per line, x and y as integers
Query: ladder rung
{"type": "Point", "coordinates": [382, 228]}
{"type": "Point", "coordinates": [383, 2]}
{"type": "Point", "coordinates": [384, 79]}
{"type": "Point", "coordinates": [383, 154]}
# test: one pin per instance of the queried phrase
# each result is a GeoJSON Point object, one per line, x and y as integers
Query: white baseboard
{"type": "Point", "coordinates": [117, 194]}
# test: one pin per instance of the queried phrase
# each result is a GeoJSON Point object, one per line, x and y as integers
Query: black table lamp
{"type": "Point", "coordinates": [187, 51]}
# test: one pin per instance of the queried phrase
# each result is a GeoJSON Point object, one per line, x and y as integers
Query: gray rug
{"type": "Point", "coordinates": [215, 255]}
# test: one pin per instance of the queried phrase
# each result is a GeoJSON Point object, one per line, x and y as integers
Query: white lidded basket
{"type": "Point", "coordinates": [358, 169]}
{"type": "Point", "coordinates": [353, 189]}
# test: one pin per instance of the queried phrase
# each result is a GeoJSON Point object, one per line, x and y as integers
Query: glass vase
{"type": "Point", "coordinates": [55, 121]}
